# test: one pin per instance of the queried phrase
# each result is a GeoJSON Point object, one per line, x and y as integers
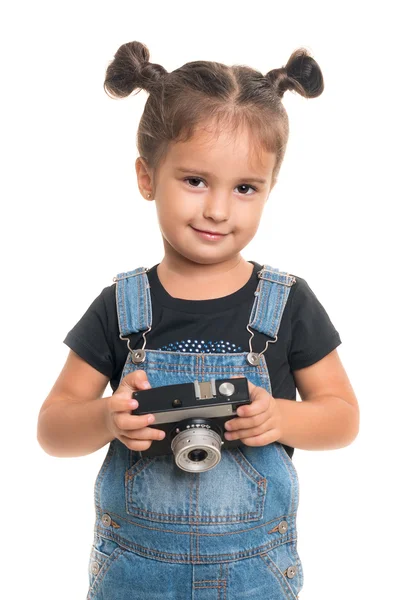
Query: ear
{"type": "Point", "coordinates": [144, 177]}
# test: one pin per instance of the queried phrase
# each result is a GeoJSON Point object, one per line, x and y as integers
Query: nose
{"type": "Point", "coordinates": [217, 206]}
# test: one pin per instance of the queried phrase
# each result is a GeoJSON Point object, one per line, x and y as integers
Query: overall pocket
{"type": "Point", "coordinates": [157, 490]}
{"type": "Point", "coordinates": [103, 554]}
{"type": "Point", "coordinates": [285, 564]}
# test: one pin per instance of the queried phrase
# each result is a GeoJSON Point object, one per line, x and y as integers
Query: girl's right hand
{"type": "Point", "coordinates": [131, 430]}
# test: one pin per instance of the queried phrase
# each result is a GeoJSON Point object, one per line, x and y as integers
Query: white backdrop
{"type": "Point", "coordinates": [73, 218]}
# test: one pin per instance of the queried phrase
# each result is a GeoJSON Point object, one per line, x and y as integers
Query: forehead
{"type": "Point", "coordinates": [209, 146]}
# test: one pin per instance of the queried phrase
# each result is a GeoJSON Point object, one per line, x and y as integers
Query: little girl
{"type": "Point", "coordinates": [211, 142]}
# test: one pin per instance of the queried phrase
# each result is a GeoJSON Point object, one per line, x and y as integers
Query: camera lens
{"type": "Point", "coordinates": [197, 455]}
{"type": "Point", "coordinates": [196, 448]}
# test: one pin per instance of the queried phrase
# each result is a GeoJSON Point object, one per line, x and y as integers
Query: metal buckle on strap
{"type": "Point", "coordinates": [265, 270]}
{"type": "Point", "coordinates": [116, 278]}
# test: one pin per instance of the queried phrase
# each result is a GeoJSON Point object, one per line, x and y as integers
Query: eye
{"type": "Point", "coordinates": [243, 185]}
{"type": "Point", "coordinates": [193, 179]}
{"type": "Point", "coordinates": [246, 185]}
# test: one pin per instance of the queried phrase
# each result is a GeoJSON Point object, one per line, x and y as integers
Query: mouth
{"type": "Point", "coordinates": [212, 233]}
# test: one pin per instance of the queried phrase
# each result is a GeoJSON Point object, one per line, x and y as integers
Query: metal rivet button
{"type": "Point", "coordinates": [291, 572]}
{"type": "Point", "coordinates": [138, 356]}
{"type": "Point", "coordinates": [106, 520]}
{"type": "Point", "coordinates": [253, 358]}
{"type": "Point", "coordinates": [95, 568]}
{"type": "Point", "coordinates": [283, 527]}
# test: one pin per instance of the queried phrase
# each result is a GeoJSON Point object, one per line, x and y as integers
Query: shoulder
{"type": "Point", "coordinates": [300, 286]}
{"type": "Point", "coordinates": [301, 292]}
{"type": "Point", "coordinates": [105, 300]}
{"type": "Point", "coordinates": [106, 303]}
{"type": "Point", "coordinates": [308, 315]}
{"type": "Point", "coordinates": [101, 310]}
{"type": "Point", "coordinates": [107, 295]}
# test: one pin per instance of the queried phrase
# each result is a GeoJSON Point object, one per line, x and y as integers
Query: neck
{"type": "Point", "coordinates": [199, 282]}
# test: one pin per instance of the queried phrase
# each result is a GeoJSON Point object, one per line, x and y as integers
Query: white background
{"type": "Point", "coordinates": [72, 217]}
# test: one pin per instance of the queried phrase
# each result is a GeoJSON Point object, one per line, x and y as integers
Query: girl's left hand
{"type": "Point", "coordinates": [258, 423]}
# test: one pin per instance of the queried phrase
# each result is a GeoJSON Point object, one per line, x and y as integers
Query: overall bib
{"type": "Point", "coordinates": [228, 533]}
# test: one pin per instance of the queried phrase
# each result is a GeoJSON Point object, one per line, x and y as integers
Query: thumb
{"type": "Point", "coordinates": [249, 383]}
{"type": "Point", "coordinates": [137, 380]}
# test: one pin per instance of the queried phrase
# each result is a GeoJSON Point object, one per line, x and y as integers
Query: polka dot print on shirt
{"type": "Point", "coordinates": [201, 346]}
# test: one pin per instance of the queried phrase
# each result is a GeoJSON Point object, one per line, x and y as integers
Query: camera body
{"type": "Point", "coordinates": [193, 417]}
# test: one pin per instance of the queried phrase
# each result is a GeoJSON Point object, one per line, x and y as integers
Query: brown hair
{"type": "Point", "coordinates": [202, 91]}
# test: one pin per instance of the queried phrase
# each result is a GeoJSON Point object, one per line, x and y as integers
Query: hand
{"type": "Point", "coordinates": [131, 430]}
{"type": "Point", "coordinates": [258, 423]}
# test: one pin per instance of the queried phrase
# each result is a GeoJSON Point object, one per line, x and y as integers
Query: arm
{"type": "Point", "coordinates": [327, 417]}
{"type": "Point", "coordinates": [72, 419]}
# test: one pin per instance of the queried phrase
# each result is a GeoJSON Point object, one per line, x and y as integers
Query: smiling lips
{"type": "Point", "coordinates": [209, 236]}
{"type": "Point", "coordinates": [209, 232]}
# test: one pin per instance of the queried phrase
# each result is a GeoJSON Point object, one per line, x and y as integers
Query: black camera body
{"type": "Point", "coordinates": [193, 417]}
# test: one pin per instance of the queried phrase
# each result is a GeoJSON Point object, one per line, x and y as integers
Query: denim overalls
{"type": "Point", "coordinates": [228, 533]}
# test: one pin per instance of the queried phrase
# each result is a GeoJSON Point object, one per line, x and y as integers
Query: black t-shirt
{"type": "Point", "coordinates": [306, 333]}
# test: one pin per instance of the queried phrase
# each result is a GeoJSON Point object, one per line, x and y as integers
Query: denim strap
{"type": "Point", "coordinates": [271, 296]}
{"type": "Point", "coordinates": [133, 301]}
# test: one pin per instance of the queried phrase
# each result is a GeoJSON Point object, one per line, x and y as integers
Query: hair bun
{"type": "Point", "coordinates": [150, 74]}
{"type": "Point", "coordinates": [130, 69]}
{"type": "Point", "coordinates": [301, 74]}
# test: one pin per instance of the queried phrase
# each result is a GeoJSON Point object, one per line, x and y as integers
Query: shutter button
{"type": "Point", "coordinates": [283, 527]}
{"type": "Point", "coordinates": [291, 572]}
{"type": "Point", "coordinates": [106, 520]}
{"type": "Point", "coordinates": [226, 389]}
{"type": "Point", "coordinates": [95, 568]}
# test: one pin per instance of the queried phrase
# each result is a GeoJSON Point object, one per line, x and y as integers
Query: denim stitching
{"type": "Point", "coordinates": [196, 520]}
{"type": "Point", "coordinates": [147, 460]}
{"type": "Point", "coordinates": [287, 517]}
{"type": "Point", "coordinates": [247, 468]}
{"type": "Point", "coordinates": [299, 564]}
{"type": "Point", "coordinates": [293, 475]}
{"type": "Point", "coordinates": [123, 306]}
{"type": "Point", "coordinates": [102, 473]}
{"type": "Point", "coordinates": [103, 570]}
{"type": "Point", "coordinates": [202, 559]}
{"type": "Point", "coordinates": [226, 570]}
{"type": "Point", "coordinates": [280, 577]}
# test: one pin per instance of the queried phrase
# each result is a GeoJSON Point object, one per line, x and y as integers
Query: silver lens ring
{"type": "Point", "coordinates": [189, 441]}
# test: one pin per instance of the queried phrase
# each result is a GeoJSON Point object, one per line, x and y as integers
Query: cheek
{"type": "Point", "coordinates": [250, 220]}
{"type": "Point", "coordinates": [171, 213]}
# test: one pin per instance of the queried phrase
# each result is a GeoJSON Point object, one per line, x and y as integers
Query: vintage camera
{"type": "Point", "coordinates": [193, 416]}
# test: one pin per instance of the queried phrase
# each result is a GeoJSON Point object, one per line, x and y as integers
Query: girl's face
{"type": "Point", "coordinates": [209, 183]}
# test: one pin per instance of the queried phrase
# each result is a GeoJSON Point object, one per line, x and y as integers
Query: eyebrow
{"type": "Point", "coordinates": [206, 174]}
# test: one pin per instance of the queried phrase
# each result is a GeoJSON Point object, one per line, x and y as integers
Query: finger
{"type": "Point", "coordinates": [119, 403]}
{"type": "Point", "coordinates": [261, 403]}
{"type": "Point", "coordinates": [147, 433]}
{"type": "Point", "coordinates": [132, 382]}
{"type": "Point", "coordinates": [245, 422]}
{"type": "Point", "coordinates": [126, 422]}
{"type": "Point", "coordinates": [268, 437]}
{"type": "Point", "coordinates": [258, 407]}
{"type": "Point", "coordinates": [254, 390]}
{"type": "Point", "coordinates": [247, 433]}
{"type": "Point", "coordinates": [136, 444]}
